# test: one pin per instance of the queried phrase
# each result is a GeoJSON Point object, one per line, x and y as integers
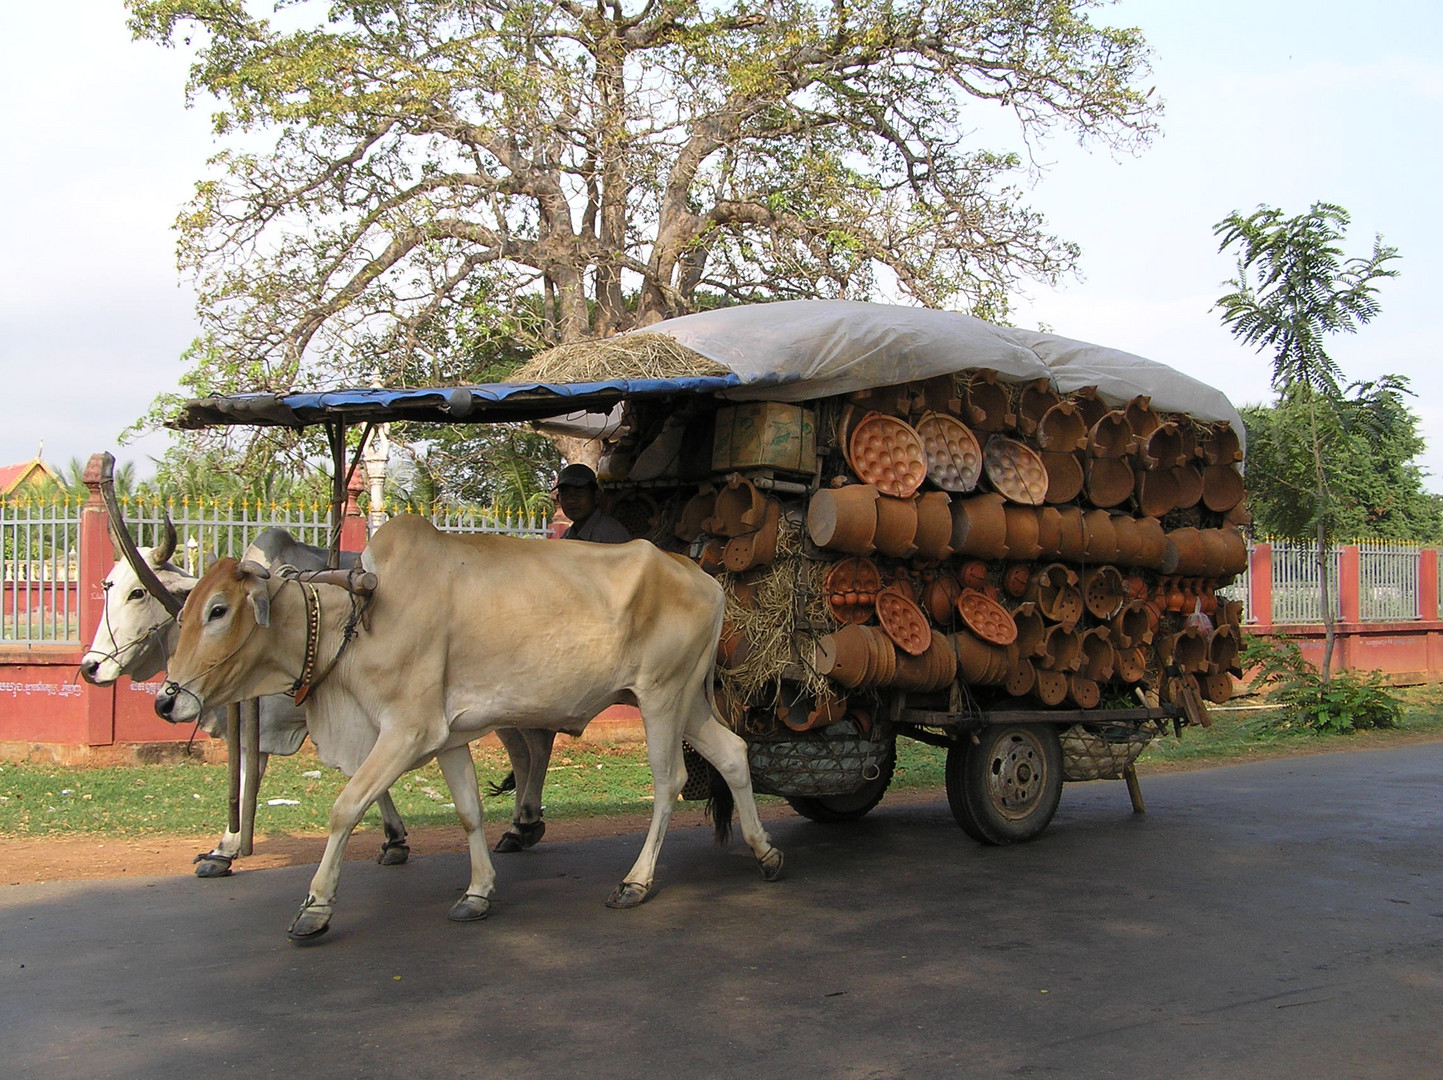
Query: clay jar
{"type": "Point", "coordinates": [844, 519]}
{"type": "Point", "coordinates": [1101, 542]}
{"type": "Point", "coordinates": [896, 530]}
{"type": "Point", "coordinates": [979, 526]}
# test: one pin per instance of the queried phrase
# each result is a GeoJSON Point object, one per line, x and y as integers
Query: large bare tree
{"type": "Point", "coordinates": [404, 181]}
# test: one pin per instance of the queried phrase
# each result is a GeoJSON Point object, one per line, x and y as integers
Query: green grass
{"type": "Point", "coordinates": [585, 780]}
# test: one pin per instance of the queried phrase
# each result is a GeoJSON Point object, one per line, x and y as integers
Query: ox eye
{"type": "Point", "coordinates": [136, 594]}
{"type": "Point", "coordinates": [217, 612]}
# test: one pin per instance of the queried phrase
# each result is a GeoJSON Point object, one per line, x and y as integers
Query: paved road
{"type": "Point", "coordinates": [1275, 920]}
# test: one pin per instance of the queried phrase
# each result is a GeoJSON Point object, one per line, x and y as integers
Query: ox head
{"type": "Point", "coordinates": [136, 632]}
{"type": "Point", "coordinates": [223, 653]}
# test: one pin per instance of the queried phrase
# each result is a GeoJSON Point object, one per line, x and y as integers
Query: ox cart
{"type": "Point", "coordinates": [1005, 543]}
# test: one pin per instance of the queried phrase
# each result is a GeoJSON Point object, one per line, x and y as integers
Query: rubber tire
{"type": "Point", "coordinates": [980, 803]}
{"type": "Point", "coordinates": [837, 809]}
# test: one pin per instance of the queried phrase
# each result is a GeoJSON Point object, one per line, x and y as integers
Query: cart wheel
{"type": "Point", "coordinates": [834, 809]}
{"type": "Point", "coordinates": [1005, 788]}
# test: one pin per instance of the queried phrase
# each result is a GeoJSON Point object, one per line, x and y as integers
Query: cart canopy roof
{"type": "Point", "coordinates": [788, 351]}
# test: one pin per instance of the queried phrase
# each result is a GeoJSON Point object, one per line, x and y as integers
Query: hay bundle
{"type": "Point", "coordinates": [627, 356]}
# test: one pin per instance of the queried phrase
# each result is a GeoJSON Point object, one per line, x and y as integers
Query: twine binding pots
{"type": "Point", "coordinates": [979, 526]}
{"type": "Point", "coordinates": [844, 519]}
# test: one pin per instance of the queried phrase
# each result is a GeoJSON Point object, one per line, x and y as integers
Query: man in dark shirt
{"type": "Point", "coordinates": [577, 493]}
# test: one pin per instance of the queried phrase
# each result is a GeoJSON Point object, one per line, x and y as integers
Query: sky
{"type": "Point", "coordinates": [1278, 102]}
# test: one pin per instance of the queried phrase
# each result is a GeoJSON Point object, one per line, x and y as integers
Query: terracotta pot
{"type": "Point", "coordinates": [1101, 544]}
{"type": "Point", "coordinates": [954, 457]}
{"type": "Point", "coordinates": [979, 526]}
{"type": "Point", "coordinates": [829, 709]}
{"type": "Point", "coordinates": [844, 519]}
{"type": "Point", "coordinates": [699, 509]}
{"type": "Point", "coordinates": [1222, 487]}
{"type": "Point", "coordinates": [904, 622]}
{"type": "Point", "coordinates": [1031, 631]}
{"type": "Point", "coordinates": [1061, 649]}
{"type": "Point", "coordinates": [1224, 648]}
{"type": "Point", "coordinates": [1188, 542]}
{"type": "Point", "coordinates": [1022, 526]}
{"type": "Point", "coordinates": [1239, 514]}
{"type": "Point", "coordinates": [1131, 626]}
{"type": "Point", "coordinates": [733, 648]}
{"type": "Point", "coordinates": [1092, 407]}
{"type": "Point", "coordinates": [740, 509]}
{"type": "Point", "coordinates": [1054, 590]}
{"type": "Point", "coordinates": [1083, 692]}
{"type": "Point", "coordinates": [1165, 448]}
{"type": "Point", "coordinates": [1156, 492]}
{"type": "Point", "coordinates": [1129, 665]}
{"type": "Point", "coordinates": [1188, 482]}
{"type": "Point", "coordinates": [1129, 540]}
{"type": "Point", "coordinates": [1102, 591]}
{"type": "Point", "coordinates": [1142, 419]}
{"type": "Point", "coordinates": [1064, 476]}
{"type": "Point", "coordinates": [1110, 437]}
{"type": "Point", "coordinates": [1215, 552]}
{"type": "Point", "coordinates": [986, 405]}
{"type": "Point", "coordinates": [934, 526]}
{"type": "Point", "coordinates": [711, 558]}
{"type": "Point", "coordinates": [1187, 649]}
{"type": "Point", "coordinates": [843, 656]}
{"type": "Point", "coordinates": [1021, 678]}
{"type": "Point", "coordinates": [1073, 544]}
{"type": "Point", "coordinates": [1221, 445]}
{"type": "Point", "coordinates": [986, 618]}
{"type": "Point", "coordinates": [852, 586]}
{"type": "Point", "coordinates": [1152, 542]}
{"type": "Point", "coordinates": [896, 532]}
{"type": "Point", "coordinates": [1049, 532]}
{"type": "Point", "coordinates": [1235, 553]}
{"type": "Point", "coordinates": [1097, 654]}
{"type": "Point", "coordinates": [1015, 580]}
{"type": "Point", "coordinates": [1033, 403]}
{"type": "Point", "coordinates": [887, 453]}
{"type": "Point", "coordinates": [884, 657]}
{"type": "Point", "coordinates": [758, 548]}
{"type": "Point", "coordinates": [938, 596]}
{"type": "Point", "coordinates": [1217, 687]}
{"type": "Point", "coordinates": [974, 574]}
{"type": "Point", "coordinates": [1062, 428]}
{"type": "Point", "coordinates": [1110, 481]}
{"type": "Point", "coordinates": [1051, 687]}
{"type": "Point", "coordinates": [979, 663]}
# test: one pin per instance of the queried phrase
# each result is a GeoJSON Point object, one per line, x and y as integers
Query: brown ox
{"type": "Point", "coordinates": [467, 635]}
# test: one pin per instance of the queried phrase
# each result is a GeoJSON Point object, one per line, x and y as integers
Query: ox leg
{"type": "Point", "coordinates": [216, 862]}
{"type": "Point", "coordinates": [459, 770]}
{"type": "Point", "coordinates": [392, 755]}
{"type": "Point", "coordinates": [727, 752]}
{"type": "Point", "coordinates": [530, 753]}
{"type": "Point", "coordinates": [394, 849]}
{"type": "Point", "coordinates": [668, 773]}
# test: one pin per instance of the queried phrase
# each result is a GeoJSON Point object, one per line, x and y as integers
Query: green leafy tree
{"type": "Point", "coordinates": [405, 180]}
{"type": "Point", "coordinates": [1293, 289]}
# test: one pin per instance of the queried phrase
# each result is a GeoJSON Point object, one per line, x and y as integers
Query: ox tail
{"type": "Point", "coordinates": [719, 805]}
{"type": "Point", "coordinates": [507, 784]}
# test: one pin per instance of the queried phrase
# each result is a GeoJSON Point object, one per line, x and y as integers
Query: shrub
{"type": "Point", "coordinates": [1346, 702]}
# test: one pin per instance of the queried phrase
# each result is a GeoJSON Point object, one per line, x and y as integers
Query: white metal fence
{"type": "Point", "coordinates": [40, 579]}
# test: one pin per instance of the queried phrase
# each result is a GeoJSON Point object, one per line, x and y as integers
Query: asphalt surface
{"type": "Point", "coordinates": [1273, 920]}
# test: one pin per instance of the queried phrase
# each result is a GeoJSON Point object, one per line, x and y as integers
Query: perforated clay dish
{"type": "Point", "coordinates": [954, 460]}
{"type": "Point", "coordinates": [986, 618]}
{"type": "Point", "coordinates": [887, 453]}
{"type": "Point", "coordinates": [1015, 471]}
{"type": "Point", "coordinates": [903, 622]}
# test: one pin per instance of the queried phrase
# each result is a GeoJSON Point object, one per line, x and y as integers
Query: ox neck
{"type": "Point", "coordinates": [321, 649]}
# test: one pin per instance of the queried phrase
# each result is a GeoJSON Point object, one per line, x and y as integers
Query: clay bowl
{"type": "Point", "coordinates": [1189, 482]}
{"type": "Point", "coordinates": [1220, 445]}
{"type": "Point", "coordinates": [1062, 428]}
{"type": "Point", "coordinates": [986, 618]}
{"type": "Point", "coordinates": [904, 622]}
{"type": "Point", "coordinates": [1073, 544]}
{"type": "Point", "coordinates": [1015, 471]}
{"type": "Point", "coordinates": [1097, 654]}
{"type": "Point", "coordinates": [896, 530]}
{"type": "Point", "coordinates": [1033, 403]}
{"type": "Point", "coordinates": [1054, 590]}
{"type": "Point", "coordinates": [1064, 476]}
{"type": "Point", "coordinates": [1111, 436]}
{"type": "Point", "coordinates": [887, 453]}
{"type": "Point", "coordinates": [1131, 626]}
{"type": "Point", "coordinates": [953, 456]}
{"type": "Point", "coordinates": [700, 508]}
{"type": "Point", "coordinates": [1061, 649]}
{"type": "Point", "coordinates": [1165, 448]}
{"type": "Point", "coordinates": [1156, 492]}
{"type": "Point", "coordinates": [1129, 665]}
{"type": "Point", "coordinates": [1022, 529]}
{"type": "Point", "coordinates": [979, 526]}
{"type": "Point", "coordinates": [740, 509]}
{"type": "Point", "coordinates": [1235, 552]}
{"type": "Point", "coordinates": [844, 519]}
{"type": "Point", "coordinates": [1051, 687]}
{"type": "Point", "coordinates": [933, 539]}
{"type": "Point", "coordinates": [1110, 481]}
{"type": "Point", "coordinates": [1142, 419]}
{"type": "Point", "coordinates": [1103, 591]}
{"type": "Point", "coordinates": [1083, 692]}
{"type": "Point", "coordinates": [1031, 630]}
{"type": "Point", "coordinates": [1101, 545]}
{"type": "Point", "coordinates": [987, 404]}
{"type": "Point", "coordinates": [1222, 487]}
{"type": "Point", "coordinates": [852, 586]}
{"type": "Point", "coordinates": [1129, 540]}
{"type": "Point", "coordinates": [979, 663]}
{"type": "Point", "coordinates": [1021, 678]}
{"type": "Point", "coordinates": [843, 656]}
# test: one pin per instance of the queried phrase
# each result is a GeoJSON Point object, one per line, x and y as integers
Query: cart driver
{"type": "Point", "coordinates": [578, 493]}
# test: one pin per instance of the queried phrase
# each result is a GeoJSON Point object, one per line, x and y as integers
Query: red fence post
{"type": "Point", "coordinates": [1350, 589]}
{"type": "Point", "coordinates": [1260, 584]}
{"type": "Point", "coordinates": [1428, 584]}
{"type": "Point", "coordinates": [353, 524]}
{"type": "Point", "coordinates": [96, 558]}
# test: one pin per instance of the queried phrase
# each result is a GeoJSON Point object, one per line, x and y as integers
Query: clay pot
{"type": "Point", "coordinates": [1188, 542]}
{"type": "Point", "coordinates": [1021, 678]}
{"type": "Point", "coordinates": [1072, 546]}
{"type": "Point", "coordinates": [1110, 437]}
{"type": "Point", "coordinates": [1188, 482]}
{"type": "Point", "coordinates": [986, 405]}
{"type": "Point", "coordinates": [1031, 630]}
{"type": "Point", "coordinates": [1062, 428]}
{"type": "Point", "coordinates": [1142, 420]}
{"type": "Point", "coordinates": [1022, 526]}
{"type": "Point", "coordinates": [979, 526]}
{"type": "Point", "coordinates": [712, 556]}
{"type": "Point", "coordinates": [1015, 580]}
{"type": "Point", "coordinates": [1054, 590]}
{"type": "Point", "coordinates": [1224, 648]}
{"type": "Point", "coordinates": [1064, 476]}
{"type": "Point", "coordinates": [1131, 626]}
{"type": "Point", "coordinates": [1061, 649]}
{"type": "Point", "coordinates": [933, 538]}
{"type": "Point", "coordinates": [758, 548]}
{"type": "Point", "coordinates": [1165, 449]}
{"type": "Point", "coordinates": [1092, 407]}
{"type": "Point", "coordinates": [1129, 540]}
{"type": "Point", "coordinates": [1051, 687]}
{"type": "Point", "coordinates": [1217, 687]}
{"type": "Point", "coordinates": [974, 574]}
{"type": "Point", "coordinates": [938, 596]}
{"type": "Point", "coordinates": [1187, 649]}
{"type": "Point", "coordinates": [733, 648]}
{"type": "Point", "coordinates": [852, 586]}
{"type": "Point", "coordinates": [979, 663]}
{"type": "Point", "coordinates": [1033, 403]}
{"type": "Point", "coordinates": [1215, 552]}
{"type": "Point", "coordinates": [1129, 665]}
{"type": "Point", "coordinates": [1015, 470]}
{"type": "Point", "coordinates": [1110, 481]}
{"type": "Point", "coordinates": [1049, 532]}
{"type": "Point", "coordinates": [1097, 654]}
{"type": "Point", "coordinates": [844, 519]}
{"type": "Point", "coordinates": [740, 509]}
{"type": "Point", "coordinates": [1152, 547]}
{"type": "Point", "coordinates": [1235, 552]}
{"type": "Point", "coordinates": [843, 656]}
{"type": "Point", "coordinates": [954, 458]}
{"type": "Point", "coordinates": [896, 531]}
{"type": "Point", "coordinates": [1156, 492]}
{"type": "Point", "coordinates": [699, 509]}
{"type": "Point", "coordinates": [1101, 544]}
{"type": "Point", "coordinates": [1221, 445]}
{"type": "Point", "coordinates": [1083, 692]}
{"type": "Point", "coordinates": [1102, 591]}
{"type": "Point", "coordinates": [1222, 487]}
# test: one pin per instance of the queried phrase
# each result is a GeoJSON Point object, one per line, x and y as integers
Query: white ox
{"type": "Point", "coordinates": [136, 637]}
{"type": "Point", "coordinates": [468, 635]}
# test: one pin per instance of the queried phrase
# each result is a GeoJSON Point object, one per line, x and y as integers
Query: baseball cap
{"type": "Point", "coordinates": [576, 475]}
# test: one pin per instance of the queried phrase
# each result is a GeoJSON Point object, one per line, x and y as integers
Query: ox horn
{"type": "Point", "coordinates": [126, 543]}
{"type": "Point", "coordinates": [248, 568]}
{"type": "Point", "coordinates": [166, 549]}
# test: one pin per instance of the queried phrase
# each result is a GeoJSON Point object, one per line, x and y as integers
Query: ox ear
{"type": "Point", "coordinates": [257, 595]}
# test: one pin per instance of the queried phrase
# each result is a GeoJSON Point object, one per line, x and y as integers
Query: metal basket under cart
{"type": "Point", "coordinates": [1094, 752]}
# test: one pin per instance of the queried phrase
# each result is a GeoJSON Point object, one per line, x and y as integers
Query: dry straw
{"type": "Point", "coordinates": [628, 356]}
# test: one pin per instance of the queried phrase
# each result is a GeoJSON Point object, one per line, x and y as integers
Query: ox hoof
{"type": "Point", "coordinates": [627, 895]}
{"type": "Point", "coordinates": [208, 864]}
{"type": "Point", "coordinates": [394, 853]}
{"type": "Point", "coordinates": [313, 921]}
{"type": "Point", "coordinates": [771, 864]}
{"type": "Point", "coordinates": [520, 836]}
{"type": "Point", "coordinates": [469, 908]}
